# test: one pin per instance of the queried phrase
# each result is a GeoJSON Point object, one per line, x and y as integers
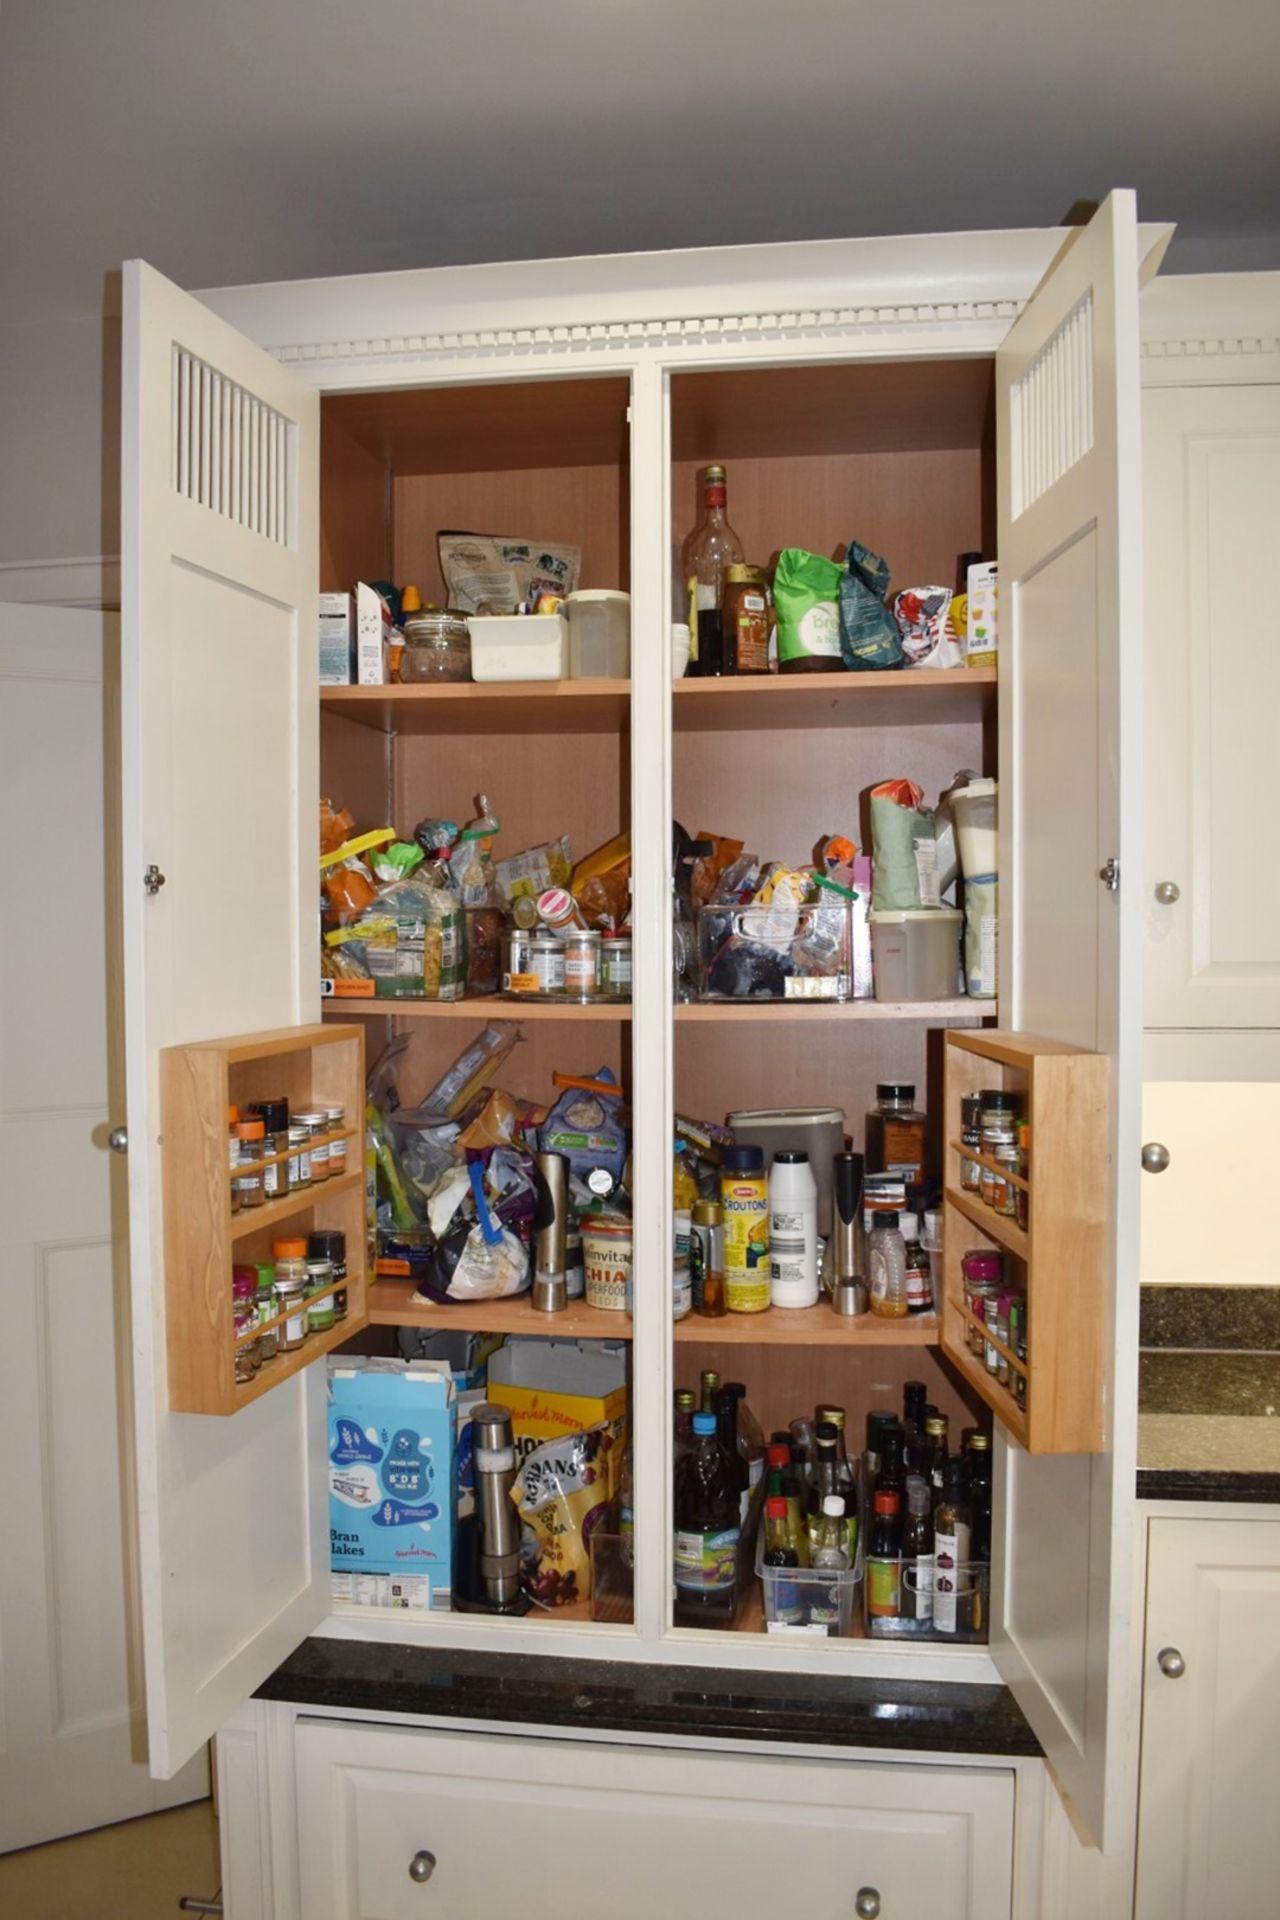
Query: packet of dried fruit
{"type": "Point", "coordinates": [563, 1493]}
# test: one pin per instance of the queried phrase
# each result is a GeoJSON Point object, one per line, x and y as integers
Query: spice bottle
{"type": "Point", "coordinates": [326, 1243]}
{"type": "Point", "coordinates": [887, 1267]}
{"type": "Point", "coordinates": [919, 1283]}
{"type": "Point", "coordinates": [895, 1132]}
{"type": "Point", "coordinates": [265, 1302]}
{"type": "Point", "coordinates": [337, 1141]}
{"type": "Point", "coordinates": [320, 1310]}
{"type": "Point", "coordinates": [971, 1137]}
{"type": "Point", "coordinates": [233, 1121]}
{"type": "Point", "coordinates": [316, 1121]}
{"type": "Point", "coordinates": [793, 1231]}
{"type": "Point", "coordinates": [274, 1115]}
{"type": "Point", "coordinates": [250, 1134]}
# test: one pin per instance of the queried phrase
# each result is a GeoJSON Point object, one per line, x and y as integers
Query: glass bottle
{"type": "Point", "coordinates": [707, 1530]}
{"type": "Point", "coordinates": [895, 1132]}
{"type": "Point", "coordinates": [846, 1479]}
{"type": "Point", "coordinates": [249, 1185]}
{"type": "Point", "coordinates": [685, 1407]}
{"type": "Point", "coordinates": [914, 1396]}
{"type": "Point", "coordinates": [878, 1420]}
{"type": "Point", "coordinates": [937, 1430]}
{"type": "Point", "coordinates": [786, 1597]}
{"type": "Point", "coordinates": [884, 1557]}
{"type": "Point", "coordinates": [917, 1551]}
{"type": "Point", "coordinates": [887, 1267]}
{"type": "Point", "coordinates": [952, 1553]}
{"type": "Point", "coordinates": [747, 1432]}
{"type": "Point", "coordinates": [265, 1302]}
{"type": "Point", "coordinates": [709, 1387]}
{"type": "Point", "coordinates": [710, 548]}
{"type": "Point", "coordinates": [726, 1412]}
{"type": "Point", "coordinates": [828, 1554]}
{"type": "Point", "coordinates": [706, 1259]}
{"type": "Point", "coordinates": [824, 1484]}
{"type": "Point", "coordinates": [979, 1462]}
{"type": "Point", "coordinates": [684, 1187]}
{"type": "Point", "coordinates": [746, 620]}
{"type": "Point", "coordinates": [892, 1473]}
{"type": "Point", "coordinates": [971, 1137]}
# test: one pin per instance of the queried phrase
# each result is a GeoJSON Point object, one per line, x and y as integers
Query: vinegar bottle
{"type": "Point", "coordinates": [710, 548]}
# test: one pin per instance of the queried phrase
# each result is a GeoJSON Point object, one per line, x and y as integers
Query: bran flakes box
{"type": "Point", "coordinates": [391, 1493]}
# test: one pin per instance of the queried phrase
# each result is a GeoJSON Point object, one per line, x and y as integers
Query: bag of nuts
{"type": "Point", "coordinates": [563, 1493]}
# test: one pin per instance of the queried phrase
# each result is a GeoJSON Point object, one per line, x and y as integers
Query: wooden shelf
{"type": "Point", "coordinates": [202, 1237]}
{"type": "Point", "coordinates": [803, 1012]}
{"type": "Point", "coordinates": [808, 1327]}
{"type": "Point", "coordinates": [491, 1006]}
{"type": "Point", "coordinates": [395, 1303]}
{"type": "Point", "coordinates": [806, 700]}
{"type": "Point", "coordinates": [1063, 1259]}
{"type": "Point", "coordinates": [491, 706]}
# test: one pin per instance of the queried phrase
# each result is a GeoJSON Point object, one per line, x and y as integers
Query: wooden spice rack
{"type": "Point", "coordinates": [203, 1238]}
{"type": "Point", "coordinates": [1059, 1260]}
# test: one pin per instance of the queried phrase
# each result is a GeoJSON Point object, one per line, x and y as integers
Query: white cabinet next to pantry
{"type": "Point", "coordinates": [220, 484]}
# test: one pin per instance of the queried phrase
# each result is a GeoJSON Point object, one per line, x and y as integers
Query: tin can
{"type": "Point", "coordinates": [581, 963]}
{"type": "Point", "coordinates": [606, 1258]}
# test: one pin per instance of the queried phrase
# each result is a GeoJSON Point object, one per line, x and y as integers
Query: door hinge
{"type": "Point", "coordinates": [153, 880]}
{"type": "Point", "coordinates": [1110, 876]}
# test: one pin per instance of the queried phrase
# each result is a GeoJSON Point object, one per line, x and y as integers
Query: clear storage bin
{"type": "Point", "coordinates": [741, 957]}
{"type": "Point", "coordinates": [599, 634]}
{"type": "Point", "coordinates": [973, 1607]}
{"type": "Point", "coordinates": [916, 953]}
{"type": "Point", "coordinates": [810, 1600]}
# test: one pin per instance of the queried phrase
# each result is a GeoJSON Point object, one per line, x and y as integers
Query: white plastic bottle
{"type": "Point", "coordinates": [793, 1231]}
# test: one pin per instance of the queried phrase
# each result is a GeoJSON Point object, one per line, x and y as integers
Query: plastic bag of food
{"type": "Point", "coordinates": [495, 573]}
{"type": "Point", "coordinates": [587, 1128]}
{"type": "Point", "coordinates": [806, 598]}
{"type": "Point", "coordinates": [869, 640]}
{"type": "Point", "coordinates": [706, 877]}
{"type": "Point", "coordinates": [396, 861]}
{"type": "Point", "coordinates": [923, 615]}
{"type": "Point", "coordinates": [471, 862]}
{"type": "Point", "coordinates": [412, 939]}
{"type": "Point", "coordinates": [563, 1493]}
{"type": "Point", "coordinates": [336, 825]}
{"type": "Point", "coordinates": [474, 1067]}
{"type": "Point", "coordinates": [464, 1265]}
{"type": "Point", "coordinates": [601, 885]}
{"type": "Point", "coordinates": [534, 870]}
{"type": "Point", "coordinates": [903, 847]}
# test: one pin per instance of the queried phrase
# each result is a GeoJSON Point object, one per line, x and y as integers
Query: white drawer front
{"type": "Point", "coordinates": [552, 1827]}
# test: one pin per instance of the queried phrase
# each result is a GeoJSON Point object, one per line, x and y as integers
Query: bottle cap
{"type": "Point", "coordinates": [704, 1423]}
{"type": "Point", "coordinates": [775, 1509]}
{"type": "Point", "coordinates": [744, 1159]}
{"type": "Point", "coordinates": [250, 1130]}
{"type": "Point", "coordinates": [825, 1434]}
{"type": "Point", "coordinates": [410, 600]}
{"type": "Point", "coordinates": [884, 1219]}
{"type": "Point", "coordinates": [778, 1455]}
{"type": "Point", "coordinates": [886, 1501]}
{"type": "Point", "coordinates": [292, 1250]}
{"type": "Point", "coordinates": [274, 1114]}
{"type": "Point", "coordinates": [936, 1423]}
{"type": "Point", "coordinates": [895, 1090]}
{"type": "Point", "coordinates": [919, 1494]}
{"type": "Point", "coordinates": [979, 1442]}
{"type": "Point", "coordinates": [833, 1507]}
{"type": "Point", "coordinates": [790, 1157]}
{"type": "Point", "coordinates": [707, 1213]}
{"type": "Point", "coordinates": [233, 1116]}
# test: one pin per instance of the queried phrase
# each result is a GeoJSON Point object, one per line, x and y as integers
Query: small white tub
{"type": "Point", "coordinates": [515, 646]}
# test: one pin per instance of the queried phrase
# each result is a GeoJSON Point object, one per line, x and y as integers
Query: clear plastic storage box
{"type": "Point", "coordinates": [746, 953]}
{"type": "Point", "coordinates": [810, 1600]}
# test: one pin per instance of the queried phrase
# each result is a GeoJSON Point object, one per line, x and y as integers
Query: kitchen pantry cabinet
{"type": "Point", "coordinates": [395, 1822]}
{"type": "Point", "coordinates": [1207, 1837]}
{"type": "Point", "coordinates": [929, 396]}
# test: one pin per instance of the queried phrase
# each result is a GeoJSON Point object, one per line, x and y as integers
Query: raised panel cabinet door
{"type": "Point", "coordinates": [1212, 484]}
{"type": "Point", "coordinates": [1208, 1838]}
{"type": "Point", "coordinates": [220, 722]}
{"type": "Point", "coordinates": [1070, 526]}
{"type": "Point", "coordinates": [395, 1823]}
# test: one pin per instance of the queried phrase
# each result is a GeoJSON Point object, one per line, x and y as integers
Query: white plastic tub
{"type": "Point", "coordinates": [599, 634]}
{"type": "Point", "coordinates": [916, 953]}
{"type": "Point", "coordinates": [513, 646]}
{"type": "Point", "coordinates": [977, 839]}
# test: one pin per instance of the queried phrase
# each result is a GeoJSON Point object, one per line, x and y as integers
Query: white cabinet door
{"type": "Point", "coordinates": [1071, 797]}
{"type": "Point", "coordinates": [220, 728]}
{"type": "Point", "coordinates": [1208, 1838]}
{"type": "Point", "coordinates": [1212, 479]}
{"type": "Point", "coordinates": [495, 1826]}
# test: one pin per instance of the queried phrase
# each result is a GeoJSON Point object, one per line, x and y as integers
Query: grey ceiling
{"type": "Point", "coordinates": [239, 140]}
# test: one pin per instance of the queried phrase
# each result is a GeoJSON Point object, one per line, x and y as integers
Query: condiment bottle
{"type": "Point", "coordinates": [895, 1132]}
{"type": "Point", "coordinates": [917, 1551]}
{"type": "Point", "coordinates": [793, 1231]}
{"type": "Point", "coordinates": [706, 1259]}
{"type": "Point", "coordinates": [952, 1555]}
{"type": "Point", "coordinates": [744, 1198]}
{"type": "Point", "coordinates": [887, 1267]}
{"type": "Point", "coordinates": [707, 1528]}
{"type": "Point", "coordinates": [786, 1597]}
{"type": "Point", "coordinates": [828, 1554]}
{"type": "Point", "coordinates": [919, 1283]}
{"type": "Point", "coordinates": [712, 547]}
{"type": "Point", "coordinates": [745, 620]}
{"type": "Point", "coordinates": [884, 1557]}
{"type": "Point", "coordinates": [337, 1141]}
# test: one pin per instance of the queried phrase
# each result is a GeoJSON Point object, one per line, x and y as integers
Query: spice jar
{"type": "Point", "coordinates": [615, 965]}
{"type": "Point", "coordinates": [299, 1155]}
{"type": "Point", "coordinates": [291, 1301]}
{"type": "Point", "coordinates": [316, 1121]}
{"type": "Point", "coordinates": [321, 1315]}
{"type": "Point", "coordinates": [546, 963]}
{"type": "Point", "coordinates": [1006, 1194]}
{"type": "Point", "coordinates": [980, 1273]}
{"type": "Point", "coordinates": [971, 1137]}
{"type": "Point", "coordinates": [244, 1315]}
{"type": "Point", "coordinates": [745, 620]}
{"type": "Point", "coordinates": [581, 963]}
{"type": "Point", "coordinates": [337, 1141]}
{"type": "Point", "coordinates": [274, 1115]}
{"type": "Point", "coordinates": [250, 1134]}
{"type": "Point", "coordinates": [233, 1121]}
{"type": "Point", "coordinates": [326, 1243]}
{"type": "Point", "coordinates": [1000, 1145]}
{"type": "Point", "coordinates": [558, 909]}
{"type": "Point", "coordinates": [1023, 1204]}
{"type": "Point", "coordinates": [265, 1302]}
{"type": "Point", "coordinates": [894, 1132]}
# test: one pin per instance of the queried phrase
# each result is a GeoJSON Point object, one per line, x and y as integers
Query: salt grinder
{"type": "Point", "coordinates": [551, 1180]}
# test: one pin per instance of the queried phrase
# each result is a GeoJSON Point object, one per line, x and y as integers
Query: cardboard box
{"type": "Point", "coordinates": [391, 1493]}
{"type": "Point", "coordinates": [337, 640]}
{"type": "Point", "coordinates": [552, 1387]}
{"type": "Point", "coordinates": [372, 632]}
{"type": "Point", "coordinates": [982, 637]}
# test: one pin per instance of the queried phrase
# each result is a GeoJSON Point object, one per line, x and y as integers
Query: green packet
{"type": "Point", "coordinates": [806, 597]}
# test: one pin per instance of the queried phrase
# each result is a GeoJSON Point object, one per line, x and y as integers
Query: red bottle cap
{"type": "Point", "coordinates": [779, 1456]}
{"type": "Point", "coordinates": [776, 1508]}
{"type": "Point", "coordinates": [886, 1501]}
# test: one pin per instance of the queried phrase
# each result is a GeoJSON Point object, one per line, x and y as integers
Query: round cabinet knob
{"type": "Point", "coordinates": [422, 1866]}
{"type": "Point", "coordinates": [118, 1139]}
{"type": "Point", "coordinates": [867, 1903]}
{"type": "Point", "coordinates": [1168, 893]}
{"type": "Point", "coordinates": [1155, 1158]}
{"type": "Point", "coordinates": [1171, 1663]}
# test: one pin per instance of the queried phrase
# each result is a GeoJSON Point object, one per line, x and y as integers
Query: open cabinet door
{"type": "Point", "coordinates": [1070, 551]}
{"type": "Point", "coordinates": [219, 748]}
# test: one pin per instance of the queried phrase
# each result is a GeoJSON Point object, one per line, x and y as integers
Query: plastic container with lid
{"type": "Point", "coordinates": [975, 810]}
{"type": "Point", "coordinates": [511, 646]}
{"type": "Point", "coordinates": [817, 1131]}
{"type": "Point", "coordinates": [599, 646]}
{"type": "Point", "coordinates": [916, 952]}
{"type": "Point", "coordinates": [437, 647]}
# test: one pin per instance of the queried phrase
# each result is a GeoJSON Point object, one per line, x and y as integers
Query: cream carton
{"type": "Point", "coordinates": [337, 640]}
{"type": "Point", "coordinates": [982, 634]}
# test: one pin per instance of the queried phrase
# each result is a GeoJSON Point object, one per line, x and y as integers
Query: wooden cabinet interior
{"type": "Point", "coordinates": [1060, 1261]}
{"type": "Point", "coordinates": [304, 1065]}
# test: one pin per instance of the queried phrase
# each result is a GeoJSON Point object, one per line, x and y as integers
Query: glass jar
{"type": "Point", "coordinates": [895, 1132]}
{"type": "Point", "coordinates": [546, 963]}
{"type": "Point", "coordinates": [337, 1141]}
{"type": "Point", "coordinates": [971, 1137]}
{"type": "Point", "coordinates": [321, 1314]}
{"type": "Point", "coordinates": [328, 1244]}
{"type": "Point", "coordinates": [250, 1134]}
{"type": "Point", "coordinates": [615, 965]}
{"type": "Point", "coordinates": [980, 1272]}
{"type": "Point", "coordinates": [999, 1144]}
{"type": "Point", "coordinates": [274, 1115]}
{"type": "Point", "coordinates": [291, 1301]}
{"type": "Point", "coordinates": [745, 620]}
{"type": "Point", "coordinates": [316, 1121]}
{"type": "Point", "coordinates": [1006, 1197]}
{"type": "Point", "coordinates": [1023, 1203]}
{"type": "Point", "coordinates": [581, 963]}
{"type": "Point", "coordinates": [437, 646]}
{"type": "Point", "coordinates": [244, 1314]}
{"type": "Point", "coordinates": [233, 1121]}
{"type": "Point", "coordinates": [299, 1155]}
{"type": "Point", "coordinates": [265, 1302]}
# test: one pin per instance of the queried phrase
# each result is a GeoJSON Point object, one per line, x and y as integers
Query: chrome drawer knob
{"type": "Point", "coordinates": [1171, 1663]}
{"type": "Point", "coordinates": [1155, 1158]}
{"type": "Point", "coordinates": [1168, 893]}
{"type": "Point", "coordinates": [118, 1139]}
{"type": "Point", "coordinates": [422, 1866]}
{"type": "Point", "coordinates": [867, 1903]}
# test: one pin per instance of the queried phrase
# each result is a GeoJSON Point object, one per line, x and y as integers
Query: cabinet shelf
{"type": "Point", "coordinates": [485, 1007]}
{"type": "Point", "coordinates": [806, 700]}
{"type": "Point", "coordinates": [811, 1012]}
{"type": "Point", "coordinates": [494, 706]}
{"type": "Point", "coordinates": [395, 1303]}
{"type": "Point", "coordinates": [808, 1327]}
{"type": "Point", "coordinates": [202, 1236]}
{"type": "Point", "coordinates": [1062, 1257]}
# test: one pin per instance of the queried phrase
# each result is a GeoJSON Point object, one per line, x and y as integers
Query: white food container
{"type": "Point", "coordinates": [599, 634]}
{"type": "Point", "coordinates": [977, 836]}
{"type": "Point", "coordinates": [517, 646]}
{"type": "Point", "coordinates": [916, 953]}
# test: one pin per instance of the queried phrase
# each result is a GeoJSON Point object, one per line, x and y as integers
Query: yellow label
{"type": "Point", "coordinates": [746, 1291]}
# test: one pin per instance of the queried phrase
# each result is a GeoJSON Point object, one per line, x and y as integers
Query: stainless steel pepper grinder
{"type": "Point", "coordinates": [848, 1286]}
{"type": "Point", "coordinates": [550, 1219]}
{"type": "Point", "coordinates": [494, 1467]}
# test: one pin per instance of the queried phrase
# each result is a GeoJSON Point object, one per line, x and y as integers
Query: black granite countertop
{"type": "Point", "coordinates": [1209, 1394]}
{"type": "Point", "coordinates": [633, 1697]}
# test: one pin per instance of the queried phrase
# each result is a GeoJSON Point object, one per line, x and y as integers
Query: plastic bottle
{"type": "Point", "coordinates": [744, 1197]}
{"type": "Point", "coordinates": [887, 1267]}
{"type": "Point", "coordinates": [707, 1529]}
{"type": "Point", "coordinates": [793, 1231]}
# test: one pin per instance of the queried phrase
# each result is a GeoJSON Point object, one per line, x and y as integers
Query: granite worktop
{"type": "Point", "coordinates": [1209, 1394]}
{"type": "Point", "coordinates": [627, 1696]}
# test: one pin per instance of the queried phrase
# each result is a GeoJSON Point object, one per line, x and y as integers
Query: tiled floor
{"type": "Point", "coordinates": [136, 1871]}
